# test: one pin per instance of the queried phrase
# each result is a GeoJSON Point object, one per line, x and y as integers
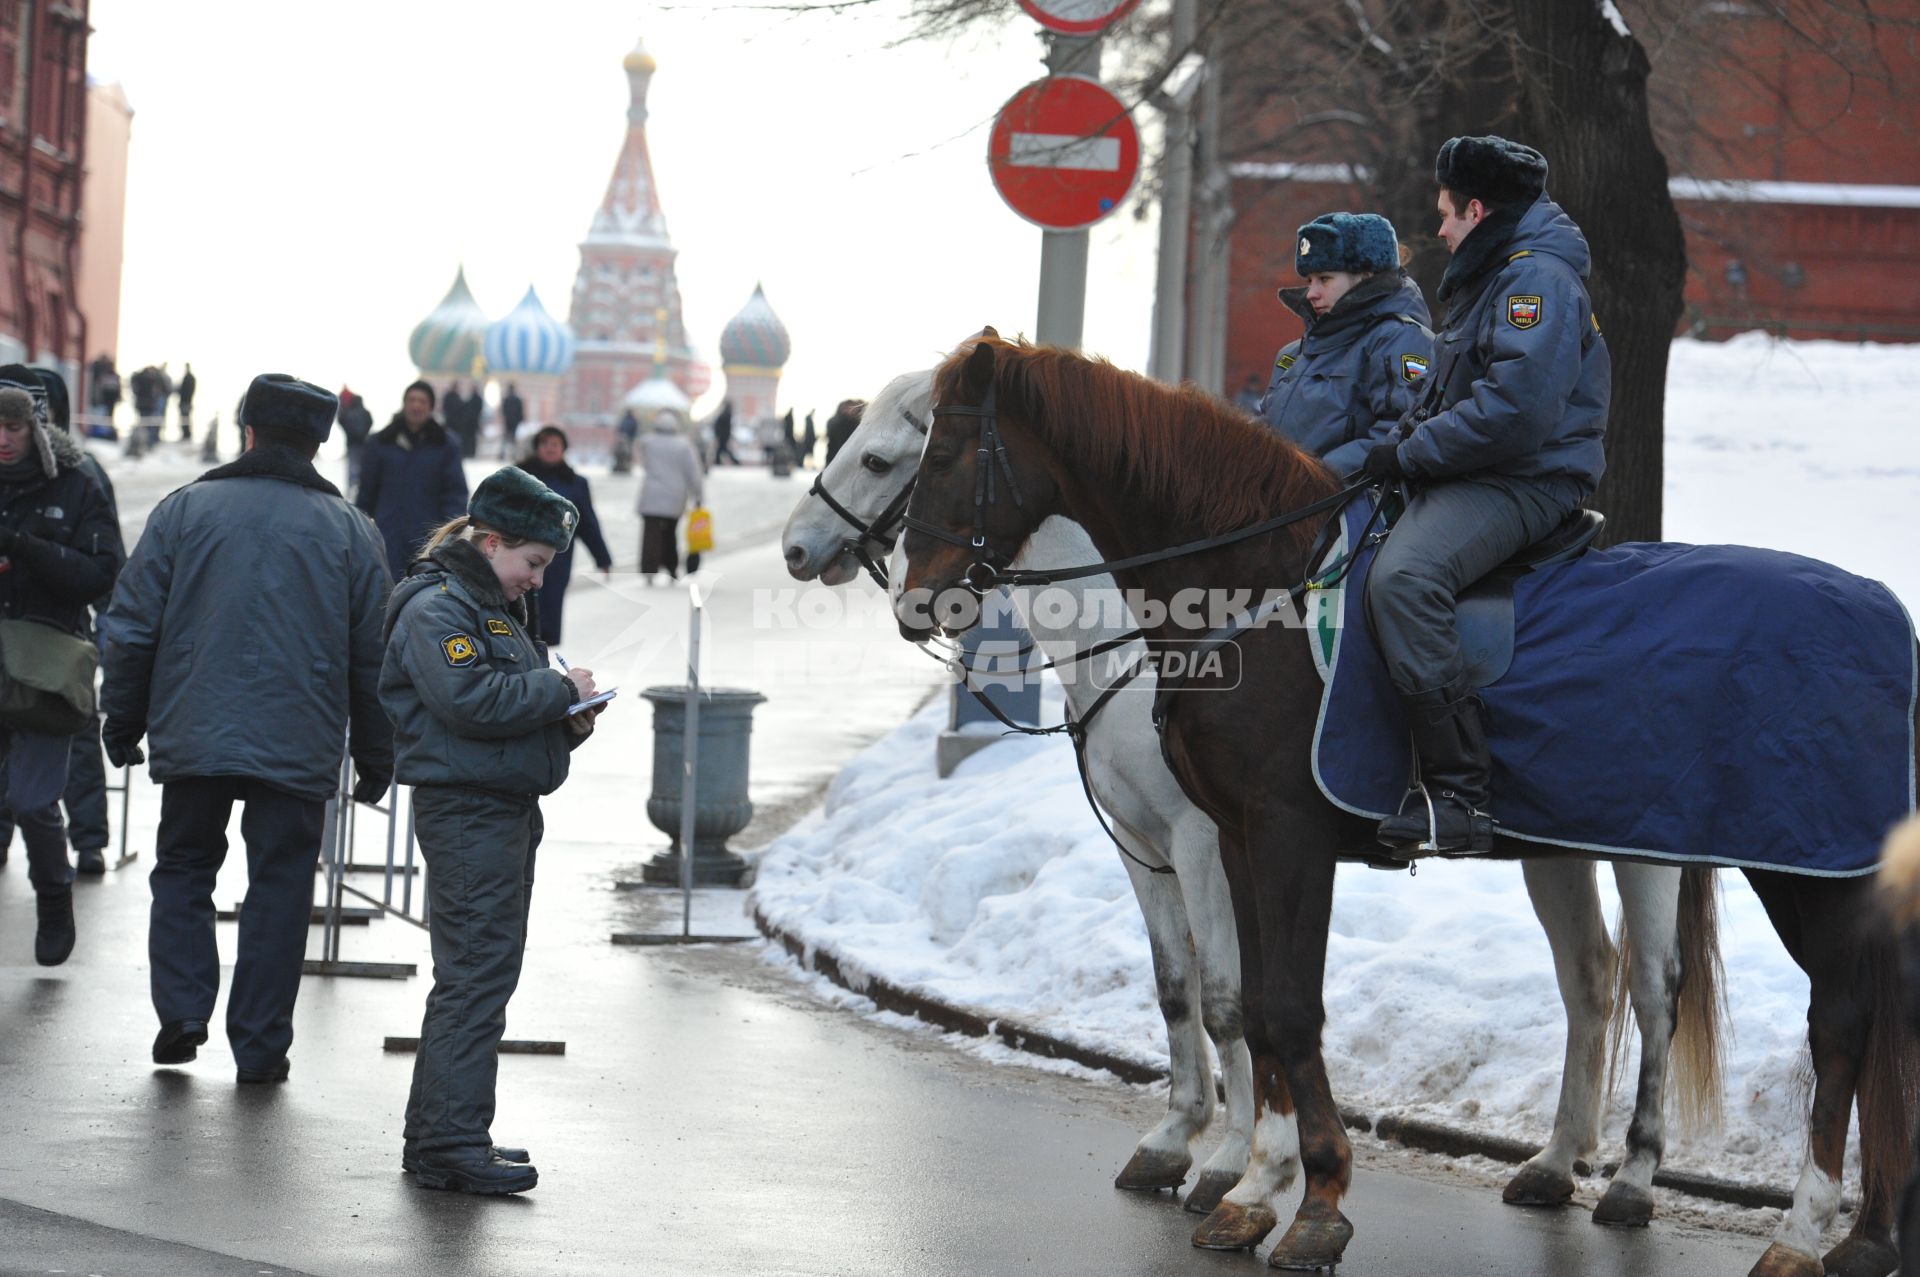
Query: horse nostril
{"type": "Point", "coordinates": [796, 558]}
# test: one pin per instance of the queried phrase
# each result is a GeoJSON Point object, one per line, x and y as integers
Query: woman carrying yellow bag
{"type": "Point", "coordinates": [671, 476]}
{"type": "Point", "coordinates": [699, 536]}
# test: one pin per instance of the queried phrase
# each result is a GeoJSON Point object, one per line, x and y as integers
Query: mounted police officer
{"type": "Point", "coordinates": [244, 637]}
{"type": "Point", "coordinates": [1506, 443]}
{"type": "Point", "coordinates": [483, 732]}
{"type": "Point", "coordinates": [1345, 384]}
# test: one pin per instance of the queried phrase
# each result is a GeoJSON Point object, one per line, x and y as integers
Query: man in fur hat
{"type": "Point", "coordinates": [244, 638]}
{"type": "Point", "coordinates": [1506, 442]}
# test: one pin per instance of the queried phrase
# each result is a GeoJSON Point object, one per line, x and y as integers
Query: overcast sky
{"type": "Point", "coordinates": [304, 180]}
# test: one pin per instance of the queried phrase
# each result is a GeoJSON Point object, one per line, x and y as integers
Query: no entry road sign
{"type": "Point", "coordinates": [1077, 17]}
{"type": "Point", "coordinates": [1063, 152]}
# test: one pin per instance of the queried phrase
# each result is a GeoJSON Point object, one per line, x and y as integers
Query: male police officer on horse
{"type": "Point", "coordinates": [245, 636]}
{"type": "Point", "coordinates": [1505, 444]}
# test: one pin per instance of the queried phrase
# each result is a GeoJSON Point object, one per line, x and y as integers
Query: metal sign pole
{"type": "Point", "coordinates": [690, 760]}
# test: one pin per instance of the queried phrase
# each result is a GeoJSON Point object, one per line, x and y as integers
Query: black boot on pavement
{"type": "Point", "coordinates": [89, 861]}
{"type": "Point", "coordinates": [54, 940]}
{"type": "Point", "coordinates": [473, 1171]}
{"type": "Point", "coordinates": [179, 1042]}
{"type": "Point", "coordinates": [265, 1077]}
{"type": "Point", "coordinates": [410, 1160]}
{"type": "Point", "coordinates": [1457, 771]}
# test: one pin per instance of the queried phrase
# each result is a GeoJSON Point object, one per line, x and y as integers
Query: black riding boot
{"type": "Point", "coordinates": [1457, 771]}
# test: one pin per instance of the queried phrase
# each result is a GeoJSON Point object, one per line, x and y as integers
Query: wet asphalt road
{"type": "Point", "coordinates": [711, 1114]}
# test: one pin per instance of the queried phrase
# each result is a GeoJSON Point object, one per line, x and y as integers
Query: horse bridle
{"type": "Point", "coordinates": [878, 533]}
{"type": "Point", "coordinates": [985, 573]}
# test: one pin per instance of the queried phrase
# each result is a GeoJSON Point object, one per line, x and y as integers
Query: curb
{"type": "Point", "coordinates": [1414, 1133]}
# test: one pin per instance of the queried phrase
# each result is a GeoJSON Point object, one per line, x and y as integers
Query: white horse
{"type": "Point", "coordinates": [1669, 930]}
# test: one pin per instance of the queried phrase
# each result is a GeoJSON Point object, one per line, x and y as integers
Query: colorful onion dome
{"type": "Point", "coordinates": [655, 395]}
{"type": "Point", "coordinates": [451, 338]}
{"type": "Point", "coordinates": [529, 341]}
{"type": "Point", "coordinates": [755, 337]}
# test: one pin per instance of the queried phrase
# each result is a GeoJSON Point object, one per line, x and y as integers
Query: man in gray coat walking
{"type": "Point", "coordinates": [245, 638]}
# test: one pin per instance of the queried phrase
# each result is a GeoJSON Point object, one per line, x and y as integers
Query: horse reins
{"type": "Point", "coordinates": [880, 532]}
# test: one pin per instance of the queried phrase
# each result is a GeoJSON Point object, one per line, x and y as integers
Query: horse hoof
{"type": "Point", "coordinates": [1862, 1257]}
{"type": "Point", "coordinates": [1624, 1206]}
{"type": "Point", "coordinates": [1784, 1261]}
{"type": "Point", "coordinates": [1232, 1226]}
{"type": "Point", "coordinates": [1208, 1190]}
{"type": "Point", "coordinates": [1538, 1186]}
{"type": "Point", "coordinates": [1148, 1171]}
{"type": "Point", "coordinates": [1312, 1244]}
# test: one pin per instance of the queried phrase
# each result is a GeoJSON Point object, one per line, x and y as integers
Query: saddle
{"type": "Point", "coordinates": [1483, 614]}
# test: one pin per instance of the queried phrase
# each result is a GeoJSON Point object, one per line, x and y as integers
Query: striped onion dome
{"type": "Point", "coordinates": [655, 395]}
{"type": "Point", "coordinates": [528, 340]}
{"type": "Point", "coordinates": [450, 339]}
{"type": "Point", "coordinates": [755, 337]}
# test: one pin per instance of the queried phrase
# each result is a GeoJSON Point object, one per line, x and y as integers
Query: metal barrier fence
{"type": "Point", "coordinates": [337, 841]}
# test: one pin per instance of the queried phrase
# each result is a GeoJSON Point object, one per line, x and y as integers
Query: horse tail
{"type": "Point", "coordinates": [1700, 1019]}
{"type": "Point", "coordinates": [1700, 1012]}
{"type": "Point", "coordinates": [1889, 1087]}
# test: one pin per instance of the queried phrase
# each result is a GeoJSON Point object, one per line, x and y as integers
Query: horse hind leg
{"type": "Point", "coordinates": [1568, 904]}
{"type": "Point", "coordinates": [1649, 906]}
{"type": "Point", "coordinates": [1164, 1155]}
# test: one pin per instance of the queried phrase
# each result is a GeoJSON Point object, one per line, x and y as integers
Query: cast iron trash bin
{"type": "Point", "coordinates": [722, 808]}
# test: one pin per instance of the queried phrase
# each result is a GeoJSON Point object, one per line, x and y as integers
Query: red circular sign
{"type": "Point", "coordinates": [1063, 152]}
{"type": "Point", "coordinates": [1077, 17]}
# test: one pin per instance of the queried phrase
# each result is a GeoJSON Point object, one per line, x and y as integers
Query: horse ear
{"type": "Point", "coordinates": [988, 330]}
{"type": "Point", "coordinates": [978, 374]}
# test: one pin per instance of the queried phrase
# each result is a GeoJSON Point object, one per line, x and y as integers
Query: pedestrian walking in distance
{"type": "Point", "coordinates": [671, 478]}
{"type": "Point", "coordinates": [59, 550]}
{"type": "Point", "coordinates": [548, 463]}
{"type": "Point", "coordinates": [244, 641]}
{"type": "Point", "coordinates": [411, 480]}
{"type": "Point", "coordinates": [482, 730]}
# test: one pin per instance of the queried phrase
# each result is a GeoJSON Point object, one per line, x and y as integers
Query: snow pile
{"type": "Point", "coordinates": [997, 890]}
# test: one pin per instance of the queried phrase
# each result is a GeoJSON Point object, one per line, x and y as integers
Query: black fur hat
{"type": "Point", "coordinates": [1491, 169]}
{"type": "Point", "coordinates": [513, 502]}
{"type": "Point", "coordinates": [276, 401]}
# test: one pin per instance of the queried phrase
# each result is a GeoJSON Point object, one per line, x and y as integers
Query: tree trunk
{"type": "Point", "coordinates": [1583, 102]}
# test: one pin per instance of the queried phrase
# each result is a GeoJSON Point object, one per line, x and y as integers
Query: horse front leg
{"type": "Point", "coordinates": [1649, 905]}
{"type": "Point", "coordinates": [1164, 1155]}
{"type": "Point", "coordinates": [1246, 1214]}
{"type": "Point", "coordinates": [1196, 854]}
{"type": "Point", "coordinates": [1567, 901]}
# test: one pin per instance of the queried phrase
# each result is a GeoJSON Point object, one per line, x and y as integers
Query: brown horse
{"type": "Point", "coordinates": [1021, 433]}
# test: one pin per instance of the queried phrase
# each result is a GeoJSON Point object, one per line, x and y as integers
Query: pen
{"type": "Point", "coordinates": [564, 667]}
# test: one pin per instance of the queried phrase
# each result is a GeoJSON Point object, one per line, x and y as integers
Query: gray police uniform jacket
{"type": "Point", "coordinates": [244, 632]}
{"type": "Point", "coordinates": [473, 701]}
{"type": "Point", "coordinates": [1359, 369]}
{"type": "Point", "coordinates": [1521, 376]}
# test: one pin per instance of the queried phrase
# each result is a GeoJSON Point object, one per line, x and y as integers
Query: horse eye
{"type": "Point", "coordinates": [878, 465]}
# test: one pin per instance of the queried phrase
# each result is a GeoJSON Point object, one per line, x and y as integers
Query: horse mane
{"type": "Point", "coordinates": [1178, 448]}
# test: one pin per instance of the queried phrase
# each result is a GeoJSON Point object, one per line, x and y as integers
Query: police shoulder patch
{"type": "Point", "coordinates": [1524, 311]}
{"type": "Point", "coordinates": [1413, 367]}
{"type": "Point", "coordinates": [460, 649]}
{"type": "Point", "coordinates": [1284, 362]}
{"type": "Point", "coordinates": [497, 626]}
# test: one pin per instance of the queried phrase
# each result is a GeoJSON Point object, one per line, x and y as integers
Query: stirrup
{"type": "Point", "coordinates": [1479, 837]}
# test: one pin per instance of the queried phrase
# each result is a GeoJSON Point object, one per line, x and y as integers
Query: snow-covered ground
{"type": "Point", "coordinates": [996, 889]}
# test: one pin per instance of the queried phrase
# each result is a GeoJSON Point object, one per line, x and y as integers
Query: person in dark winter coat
{"type": "Point", "coordinates": [723, 435]}
{"type": "Point", "coordinates": [548, 463]}
{"type": "Point", "coordinates": [1507, 441]}
{"type": "Point", "coordinates": [809, 436]}
{"type": "Point", "coordinates": [513, 411]}
{"type": "Point", "coordinates": [85, 795]}
{"type": "Point", "coordinates": [411, 480]}
{"type": "Point", "coordinates": [841, 425]}
{"type": "Point", "coordinates": [60, 547]}
{"type": "Point", "coordinates": [184, 396]}
{"type": "Point", "coordinates": [103, 390]}
{"type": "Point", "coordinates": [1345, 384]}
{"type": "Point", "coordinates": [244, 641]}
{"type": "Point", "coordinates": [483, 728]}
{"type": "Point", "coordinates": [462, 412]}
{"type": "Point", "coordinates": [356, 423]}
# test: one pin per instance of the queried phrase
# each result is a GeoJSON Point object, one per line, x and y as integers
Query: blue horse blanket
{"type": "Point", "coordinates": [1708, 704]}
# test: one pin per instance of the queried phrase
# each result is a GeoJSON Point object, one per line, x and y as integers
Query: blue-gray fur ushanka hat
{"type": "Point", "coordinates": [514, 503]}
{"type": "Point", "coordinates": [1491, 169]}
{"type": "Point", "coordinates": [276, 401]}
{"type": "Point", "coordinates": [1362, 243]}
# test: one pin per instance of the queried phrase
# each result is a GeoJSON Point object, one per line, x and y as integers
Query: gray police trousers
{"type": "Point", "coordinates": [479, 848]}
{"type": "Point", "coordinates": [1452, 534]}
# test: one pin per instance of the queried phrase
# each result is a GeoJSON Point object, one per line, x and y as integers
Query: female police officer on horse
{"type": "Point", "coordinates": [1343, 386]}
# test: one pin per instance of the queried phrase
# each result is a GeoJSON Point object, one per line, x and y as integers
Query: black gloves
{"type": "Point", "coordinates": [371, 787]}
{"type": "Point", "coordinates": [1383, 463]}
{"type": "Point", "coordinates": [121, 740]}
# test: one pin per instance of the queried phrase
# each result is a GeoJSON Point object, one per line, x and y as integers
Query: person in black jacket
{"type": "Point", "coordinates": [411, 480]}
{"type": "Point", "coordinates": [356, 423]}
{"type": "Point", "coordinates": [59, 550]}
{"type": "Point", "coordinates": [548, 463]}
{"type": "Point", "coordinates": [244, 637]}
